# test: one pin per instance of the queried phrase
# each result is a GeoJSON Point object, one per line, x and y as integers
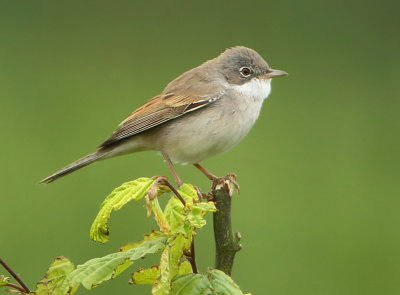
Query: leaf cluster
{"type": "Point", "coordinates": [177, 224]}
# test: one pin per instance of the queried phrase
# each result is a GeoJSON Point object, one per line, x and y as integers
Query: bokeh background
{"type": "Point", "coordinates": [319, 172]}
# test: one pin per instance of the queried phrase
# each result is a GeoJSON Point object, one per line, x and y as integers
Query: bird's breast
{"type": "Point", "coordinates": [211, 130]}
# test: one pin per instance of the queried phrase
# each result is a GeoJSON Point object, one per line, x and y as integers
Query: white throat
{"type": "Point", "coordinates": [256, 88]}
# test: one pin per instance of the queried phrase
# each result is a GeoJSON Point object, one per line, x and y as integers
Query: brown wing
{"type": "Point", "coordinates": [160, 109]}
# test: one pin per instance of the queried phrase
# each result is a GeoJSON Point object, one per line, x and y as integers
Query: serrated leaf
{"type": "Point", "coordinates": [185, 268]}
{"type": "Point", "coordinates": [191, 284]}
{"type": "Point", "coordinates": [159, 216]}
{"type": "Point", "coordinates": [214, 282]}
{"type": "Point", "coordinates": [132, 190]}
{"type": "Point", "coordinates": [149, 276]}
{"type": "Point", "coordinates": [4, 280]}
{"type": "Point", "coordinates": [146, 276]}
{"type": "Point", "coordinates": [149, 237]}
{"type": "Point", "coordinates": [122, 267]}
{"type": "Point", "coordinates": [175, 214]}
{"type": "Point", "coordinates": [96, 271]}
{"type": "Point", "coordinates": [55, 276]}
{"type": "Point", "coordinates": [169, 265]}
{"type": "Point", "coordinates": [222, 283]}
{"type": "Point", "coordinates": [205, 207]}
{"type": "Point", "coordinates": [195, 217]}
{"type": "Point", "coordinates": [188, 193]}
{"type": "Point", "coordinates": [197, 211]}
{"type": "Point", "coordinates": [189, 232]}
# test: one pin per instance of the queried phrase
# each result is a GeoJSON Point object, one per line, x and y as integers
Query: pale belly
{"type": "Point", "coordinates": [208, 131]}
{"type": "Point", "coordinates": [199, 135]}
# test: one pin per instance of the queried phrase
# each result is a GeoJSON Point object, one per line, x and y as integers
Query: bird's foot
{"type": "Point", "coordinates": [152, 193]}
{"type": "Point", "coordinates": [229, 180]}
{"type": "Point", "coordinates": [218, 182]}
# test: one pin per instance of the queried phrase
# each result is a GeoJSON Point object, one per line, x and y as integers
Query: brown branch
{"type": "Point", "coordinates": [20, 289]}
{"type": "Point", "coordinates": [193, 257]}
{"type": "Point", "coordinates": [152, 192]}
{"type": "Point", "coordinates": [15, 276]}
{"type": "Point", "coordinates": [226, 242]}
{"type": "Point", "coordinates": [175, 192]}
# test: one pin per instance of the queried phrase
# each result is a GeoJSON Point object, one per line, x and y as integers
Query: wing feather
{"type": "Point", "coordinates": [160, 109]}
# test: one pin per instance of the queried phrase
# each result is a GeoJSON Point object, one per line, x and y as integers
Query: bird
{"type": "Point", "coordinates": [203, 112]}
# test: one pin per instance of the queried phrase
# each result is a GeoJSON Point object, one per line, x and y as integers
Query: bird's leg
{"type": "Point", "coordinates": [207, 173]}
{"type": "Point", "coordinates": [172, 168]}
{"type": "Point", "coordinates": [217, 180]}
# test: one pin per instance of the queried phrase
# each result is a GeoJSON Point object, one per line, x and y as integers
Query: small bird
{"type": "Point", "coordinates": [203, 112]}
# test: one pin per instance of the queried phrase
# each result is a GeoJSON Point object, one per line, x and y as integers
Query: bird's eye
{"type": "Point", "coordinates": [245, 71]}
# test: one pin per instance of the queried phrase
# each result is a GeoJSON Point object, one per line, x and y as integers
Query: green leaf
{"type": "Point", "coordinates": [145, 276]}
{"type": "Point", "coordinates": [221, 283]}
{"type": "Point", "coordinates": [132, 190]}
{"type": "Point", "coordinates": [96, 271]}
{"type": "Point", "coordinates": [55, 276]}
{"type": "Point", "coordinates": [185, 267]}
{"type": "Point", "coordinates": [188, 193]}
{"type": "Point", "coordinates": [214, 282]}
{"type": "Point", "coordinates": [149, 276]}
{"type": "Point", "coordinates": [169, 264]}
{"type": "Point", "coordinates": [153, 235]}
{"type": "Point", "coordinates": [197, 211]}
{"type": "Point", "coordinates": [159, 216]}
{"type": "Point", "coordinates": [4, 280]}
{"type": "Point", "coordinates": [191, 284]}
{"type": "Point", "coordinates": [175, 214]}
{"type": "Point", "coordinates": [205, 207]}
{"type": "Point", "coordinates": [149, 237]}
{"type": "Point", "coordinates": [122, 267]}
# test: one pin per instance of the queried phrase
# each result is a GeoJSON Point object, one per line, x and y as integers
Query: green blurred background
{"type": "Point", "coordinates": [319, 172]}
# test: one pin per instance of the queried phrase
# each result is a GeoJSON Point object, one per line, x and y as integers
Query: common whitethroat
{"type": "Point", "coordinates": [203, 112]}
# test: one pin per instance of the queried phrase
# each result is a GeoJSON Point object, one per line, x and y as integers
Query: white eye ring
{"type": "Point", "coordinates": [245, 71]}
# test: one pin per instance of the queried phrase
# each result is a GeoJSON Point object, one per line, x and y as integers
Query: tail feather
{"type": "Point", "coordinates": [97, 155]}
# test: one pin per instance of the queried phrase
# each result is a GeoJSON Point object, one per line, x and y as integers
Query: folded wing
{"type": "Point", "coordinates": [160, 109]}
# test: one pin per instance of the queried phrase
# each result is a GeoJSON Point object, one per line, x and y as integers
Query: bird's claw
{"type": "Point", "coordinates": [228, 180]}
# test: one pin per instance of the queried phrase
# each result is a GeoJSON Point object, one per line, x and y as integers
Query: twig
{"type": "Point", "coordinates": [193, 257]}
{"type": "Point", "coordinates": [167, 183]}
{"type": "Point", "coordinates": [152, 192]}
{"type": "Point", "coordinates": [226, 243]}
{"type": "Point", "coordinates": [15, 276]}
{"type": "Point", "coordinates": [22, 290]}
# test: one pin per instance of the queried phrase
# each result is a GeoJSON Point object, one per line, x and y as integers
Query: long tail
{"type": "Point", "coordinates": [97, 155]}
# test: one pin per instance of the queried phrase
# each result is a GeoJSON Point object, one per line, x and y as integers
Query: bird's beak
{"type": "Point", "coordinates": [274, 73]}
